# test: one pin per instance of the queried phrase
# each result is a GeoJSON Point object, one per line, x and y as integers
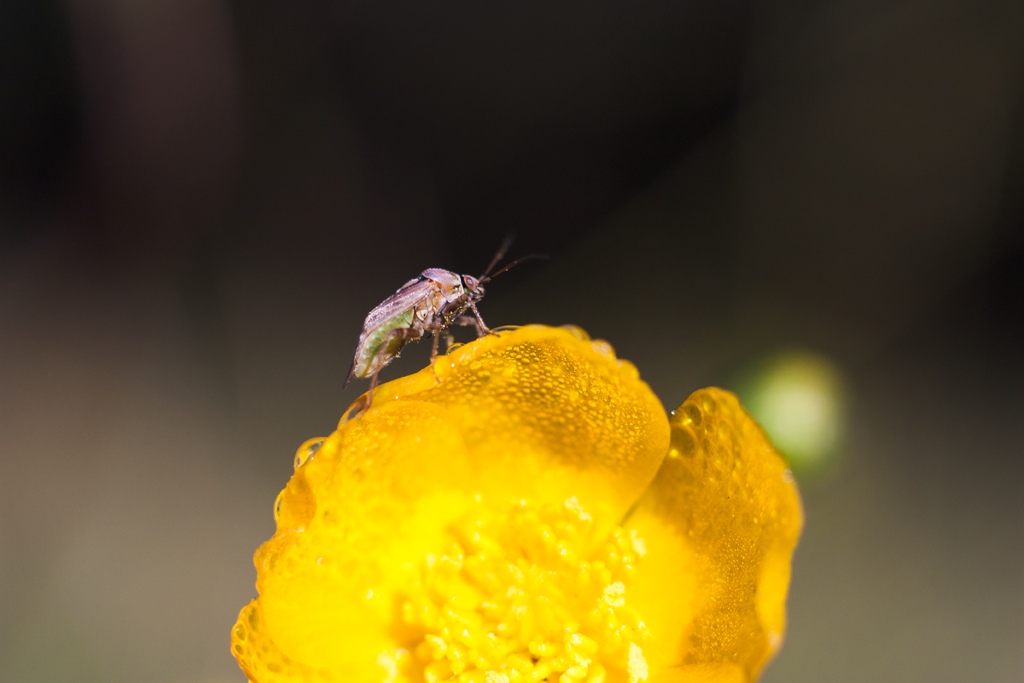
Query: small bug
{"type": "Point", "coordinates": [424, 305]}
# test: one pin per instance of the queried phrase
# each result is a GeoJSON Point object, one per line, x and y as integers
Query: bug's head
{"type": "Point", "coordinates": [473, 286]}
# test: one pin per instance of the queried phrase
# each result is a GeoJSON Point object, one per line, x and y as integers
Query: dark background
{"type": "Point", "coordinates": [200, 200]}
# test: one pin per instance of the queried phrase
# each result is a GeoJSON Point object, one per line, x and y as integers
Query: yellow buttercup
{"type": "Point", "coordinates": [525, 511]}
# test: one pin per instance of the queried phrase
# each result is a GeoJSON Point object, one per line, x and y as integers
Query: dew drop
{"type": "Point", "coordinates": [306, 451]}
{"type": "Point", "coordinates": [693, 414]}
{"type": "Point", "coordinates": [277, 506]}
{"type": "Point", "coordinates": [504, 328]}
{"type": "Point", "coordinates": [683, 443]}
{"type": "Point", "coordinates": [354, 410]}
{"type": "Point", "coordinates": [604, 348]}
{"type": "Point", "coordinates": [629, 369]}
{"type": "Point", "coordinates": [725, 434]}
{"type": "Point", "coordinates": [454, 347]}
{"type": "Point", "coordinates": [577, 332]}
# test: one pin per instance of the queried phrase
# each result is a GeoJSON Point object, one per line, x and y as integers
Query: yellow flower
{"type": "Point", "coordinates": [527, 512]}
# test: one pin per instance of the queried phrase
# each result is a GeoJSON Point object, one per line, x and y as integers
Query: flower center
{"type": "Point", "coordinates": [529, 593]}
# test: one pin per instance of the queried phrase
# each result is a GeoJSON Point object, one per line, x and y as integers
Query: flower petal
{"type": "Point", "coordinates": [720, 522]}
{"type": "Point", "coordinates": [536, 413]}
{"type": "Point", "coordinates": [548, 414]}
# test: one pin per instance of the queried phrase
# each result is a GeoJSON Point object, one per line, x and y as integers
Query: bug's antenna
{"type": "Point", "coordinates": [505, 244]}
{"type": "Point", "coordinates": [488, 278]}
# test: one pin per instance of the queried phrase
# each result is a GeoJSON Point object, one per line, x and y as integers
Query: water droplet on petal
{"type": "Point", "coordinates": [604, 348]}
{"type": "Point", "coordinates": [683, 443]}
{"type": "Point", "coordinates": [577, 332]}
{"type": "Point", "coordinates": [629, 369]}
{"type": "Point", "coordinates": [307, 450]}
{"type": "Point", "coordinates": [358, 406]}
{"type": "Point", "coordinates": [277, 506]}
{"type": "Point", "coordinates": [692, 414]}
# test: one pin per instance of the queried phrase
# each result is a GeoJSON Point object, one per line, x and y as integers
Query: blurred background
{"type": "Point", "coordinates": [817, 203]}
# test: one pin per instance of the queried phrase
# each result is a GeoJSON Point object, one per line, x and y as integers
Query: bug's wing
{"type": "Point", "coordinates": [410, 294]}
{"type": "Point", "coordinates": [351, 369]}
{"type": "Point", "coordinates": [405, 298]}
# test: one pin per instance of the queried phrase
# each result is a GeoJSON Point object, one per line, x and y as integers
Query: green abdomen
{"type": "Point", "coordinates": [377, 350]}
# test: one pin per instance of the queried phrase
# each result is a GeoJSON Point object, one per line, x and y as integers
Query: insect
{"type": "Point", "coordinates": [424, 305]}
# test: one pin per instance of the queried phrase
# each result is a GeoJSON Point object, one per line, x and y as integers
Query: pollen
{"type": "Point", "coordinates": [528, 593]}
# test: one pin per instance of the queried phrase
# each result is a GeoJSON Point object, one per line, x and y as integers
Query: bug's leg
{"type": "Point", "coordinates": [437, 330]}
{"type": "Point", "coordinates": [449, 339]}
{"type": "Point", "coordinates": [433, 351]}
{"type": "Point", "coordinates": [471, 321]}
{"type": "Point", "coordinates": [481, 328]}
{"type": "Point", "coordinates": [369, 394]}
{"type": "Point", "coordinates": [406, 334]}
